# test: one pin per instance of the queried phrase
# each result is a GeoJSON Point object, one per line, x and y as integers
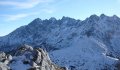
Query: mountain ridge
{"type": "Point", "coordinates": [96, 36]}
{"type": "Point", "coordinates": [45, 25]}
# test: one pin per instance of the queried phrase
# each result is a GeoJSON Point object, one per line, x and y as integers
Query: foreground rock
{"type": "Point", "coordinates": [27, 58]}
{"type": "Point", "coordinates": [4, 60]}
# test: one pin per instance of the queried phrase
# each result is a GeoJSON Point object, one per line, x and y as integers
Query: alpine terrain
{"type": "Point", "coordinates": [27, 58]}
{"type": "Point", "coordinates": [90, 44]}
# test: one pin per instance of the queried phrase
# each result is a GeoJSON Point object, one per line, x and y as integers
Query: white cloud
{"type": "Point", "coordinates": [49, 11]}
{"type": "Point", "coordinates": [14, 17]}
{"type": "Point", "coordinates": [17, 16]}
{"type": "Point", "coordinates": [25, 4]}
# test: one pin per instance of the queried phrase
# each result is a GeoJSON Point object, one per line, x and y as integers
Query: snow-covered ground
{"type": "Point", "coordinates": [84, 54]}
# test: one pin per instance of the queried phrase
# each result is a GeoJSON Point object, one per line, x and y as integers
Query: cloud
{"type": "Point", "coordinates": [25, 4]}
{"type": "Point", "coordinates": [49, 11]}
{"type": "Point", "coordinates": [14, 17]}
{"type": "Point", "coordinates": [44, 7]}
{"type": "Point", "coordinates": [17, 16]}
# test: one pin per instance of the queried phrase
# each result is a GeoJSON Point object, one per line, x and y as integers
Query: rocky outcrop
{"type": "Point", "coordinates": [27, 58]}
{"type": "Point", "coordinates": [4, 60]}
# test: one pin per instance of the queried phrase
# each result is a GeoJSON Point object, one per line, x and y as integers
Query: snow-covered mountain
{"type": "Point", "coordinates": [91, 44]}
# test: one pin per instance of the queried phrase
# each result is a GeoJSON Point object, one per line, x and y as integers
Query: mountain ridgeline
{"type": "Point", "coordinates": [93, 36]}
{"type": "Point", "coordinates": [39, 32]}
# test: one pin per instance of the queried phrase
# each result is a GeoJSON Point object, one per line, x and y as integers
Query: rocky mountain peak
{"type": "Point", "coordinates": [102, 15]}
{"type": "Point", "coordinates": [93, 18]}
{"type": "Point", "coordinates": [67, 18]}
{"type": "Point", "coordinates": [36, 21]}
{"type": "Point", "coordinates": [53, 19]}
{"type": "Point", "coordinates": [115, 17]}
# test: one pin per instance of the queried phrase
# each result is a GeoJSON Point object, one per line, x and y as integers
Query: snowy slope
{"type": "Point", "coordinates": [84, 54]}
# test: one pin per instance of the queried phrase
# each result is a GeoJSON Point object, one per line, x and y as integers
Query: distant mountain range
{"type": "Point", "coordinates": [90, 44]}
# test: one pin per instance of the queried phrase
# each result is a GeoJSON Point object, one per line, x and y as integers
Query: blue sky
{"type": "Point", "coordinates": [15, 13]}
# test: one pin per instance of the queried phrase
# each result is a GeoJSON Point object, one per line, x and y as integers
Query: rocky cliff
{"type": "Point", "coordinates": [27, 58]}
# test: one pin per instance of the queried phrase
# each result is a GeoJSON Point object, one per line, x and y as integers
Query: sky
{"type": "Point", "coordinates": [16, 13]}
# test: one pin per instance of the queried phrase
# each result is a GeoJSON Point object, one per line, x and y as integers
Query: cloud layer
{"type": "Point", "coordinates": [15, 17]}
{"type": "Point", "coordinates": [24, 5]}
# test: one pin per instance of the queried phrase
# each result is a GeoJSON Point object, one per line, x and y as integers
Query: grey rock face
{"type": "Point", "coordinates": [27, 58]}
{"type": "Point", "coordinates": [4, 60]}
